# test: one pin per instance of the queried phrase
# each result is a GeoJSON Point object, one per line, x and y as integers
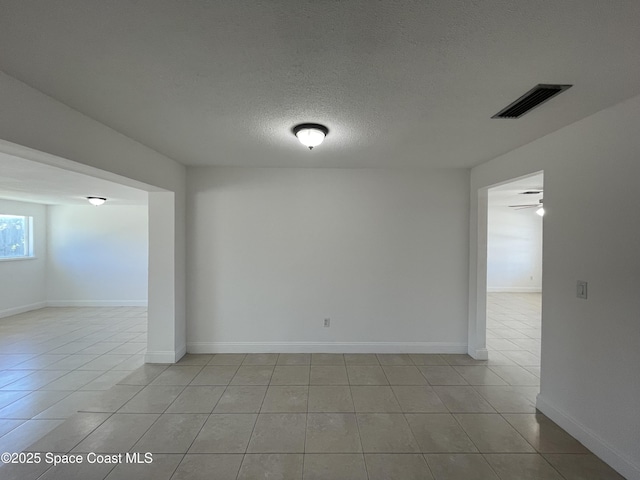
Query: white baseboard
{"type": "Point", "coordinates": [165, 356]}
{"type": "Point", "coordinates": [479, 354]}
{"type": "Point", "coordinates": [605, 451]}
{"type": "Point", "coordinates": [96, 303]}
{"type": "Point", "coordinates": [325, 347]}
{"type": "Point", "coordinates": [7, 312]}
{"type": "Point", "coordinates": [514, 289]}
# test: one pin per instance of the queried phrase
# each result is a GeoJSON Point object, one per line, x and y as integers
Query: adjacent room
{"type": "Point", "coordinates": [319, 240]}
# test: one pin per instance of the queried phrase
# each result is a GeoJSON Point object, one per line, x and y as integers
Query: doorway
{"type": "Point", "coordinates": [515, 216]}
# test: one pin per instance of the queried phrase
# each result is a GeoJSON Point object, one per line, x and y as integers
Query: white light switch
{"type": "Point", "coordinates": [581, 289]}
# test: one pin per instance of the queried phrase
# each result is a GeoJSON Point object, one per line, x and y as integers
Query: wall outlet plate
{"type": "Point", "coordinates": [327, 322]}
{"type": "Point", "coordinates": [581, 289]}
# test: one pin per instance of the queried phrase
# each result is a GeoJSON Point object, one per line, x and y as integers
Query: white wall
{"type": "Point", "coordinates": [272, 252]}
{"type": "Point", "coordinates": [31, 119]}
{"type": "Point", "coordinates": [514, 254]}
{"type": "Point", "coordinates": [590, 348]}
{"type": "Point", "coordinates": [23, 281]}
{"type": "Point", "coordinates": [97, 255]}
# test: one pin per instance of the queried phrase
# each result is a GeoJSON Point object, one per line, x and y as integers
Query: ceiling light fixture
{"type": "Point", "coordinates": [96, 201]}
{"type": "Point", "coordinates": [310, 134]}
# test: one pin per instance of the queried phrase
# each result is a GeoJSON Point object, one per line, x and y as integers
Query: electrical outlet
{"type": "Point", "coordinates": [327, 322]}
{"type": "Point", "coordinates": [581, 289]}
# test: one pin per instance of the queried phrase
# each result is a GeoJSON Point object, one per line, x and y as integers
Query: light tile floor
{"type": "Point", "coordinates": [320, 416]}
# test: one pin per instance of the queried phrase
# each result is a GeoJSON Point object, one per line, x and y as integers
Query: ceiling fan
{"type": "Point", "coordinates": [540, 210]}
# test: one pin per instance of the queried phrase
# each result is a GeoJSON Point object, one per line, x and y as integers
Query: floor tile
{"type": "Point", "coordinates": [177, 375]}
{"type": "Point", "coordinates": [404, 375]}
{"type": "Point", "coordinates": [194, 359]}
{"type": "Point", "coordinates": [117, 434]}
{"type": "Point", "coordinates": [152, 399]}
{"type": "Point", "coordinates": [285, 399]}
{"type": "Point", "coordinates": [278, 433]}
{"type": "Point", "coordinates": [7, 424]}
{"type": "Point", "coordinates": [16, 471]}
{"type": "Point", "coordinates": [253, 375]}
{"type": "Point", "coordinates": [294, 359]}
{"type": "Point", "coordinates": [271, 467]}
{"type": "Point", "coordinates": [334, 467]}
{"type": "Point", "coordinates": [202, 466]}
{"type": "Point", "coordinates": [442, 375]}
{"type": "Point", "coordinates": [143, 375]}
{"type": "Point", "coordinates": [479, 375]}
{"type": "Point", "coordinates": [71, 362]}
{"type": "Point", "coordinates": [418, 399]}
{"type": "Point", "coordinates": [69, 433]}
{"type": "Point", "coordinates": [81, 471]}
{"type": "Point", "coordinates": [104, 362]}
{"type": "Point", "coordinates": [25, 434]}
{"type": "Point", "coordinates": [361, 359]}
{"type": "Point", "coordinates": [241, 399]}
{"type": "Point", "coordinates": [32, 404]}
{"type": "Point", "coordinates": [439, 433]}
{"type": "Point", "coordinates": [492, 434]}
{"type": "Point", "coordinates": [462, 359]}
{"type": "Point", "coordinates": [161, 468]}
{"type": "Point", "coordinates": [327, 359]}
{"type": "Point", "coordinates": [215, 375]}
{"type": "Point", "coordinates": [197, 399]}
{"type": "Point", "coordinates": [461, 466]}
{"type": "Point", "coordinates": [227, 359]}
{"type": "Point", "coordinates": [8, 397]}
{"type": "Point", "coordinates": [291, 375]}
{"type": "Point", "coordinates": [366, 375]}
{"type": "Point", "coordinates": [72, 380]}
{"type": "Point", "coordinates": [427, 359]}
{"type": "Point", "coordinates": [582, 467]}
{"type": "Point", "coordinates": [69, 405]}
{"type": "Point", "coordinates": [260, 359]}
{"type": "Point", "coordinates": [397, 467]}
{"type": "Point", "coordinates": [515, 375]}
{"type": "Point", "coordinates": [394, 359]}
{"type": "Point", "coordinates": [328, 375]}
{"type": "Point", "coordinates": [374, 399]}
{"type": "Point", "coordinates": [333, 398]}
{"type": "Point", "coordinates": [522, 466]}
{"type": "Point", "coordinates": [224, 433]}
{"type": "Point", "coordinates": [171, 433]}
{"type": "Point", "coordinates": [114, 398]}
{"type": "Point", "coordinates": [332, 433]}
{"type": "Point", "coordinates": [510, 399]}
{"type": "Point", "coordinates": [462, 399]}
{"type": "Point", "coordinates": [386, 433]}
{"type": "Point", "coordinates": [543, 434]}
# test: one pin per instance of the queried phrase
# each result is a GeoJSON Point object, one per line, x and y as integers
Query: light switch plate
{"type": "Point", "coordinates": [581, 291]}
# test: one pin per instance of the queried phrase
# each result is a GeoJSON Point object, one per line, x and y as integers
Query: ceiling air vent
{"type": "Point", "coordinates": [530, 100]}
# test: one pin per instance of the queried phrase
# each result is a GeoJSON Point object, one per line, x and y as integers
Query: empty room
{"type": "Point", "coordinates": [330, 240]}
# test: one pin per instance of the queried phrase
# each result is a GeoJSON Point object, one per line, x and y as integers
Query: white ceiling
{"type": "Point", "coordinates": [398, 82]}
{"type": "Point", "coordinates": [511, 193]}
{"type": "Point", "coordinates": [29, 181]}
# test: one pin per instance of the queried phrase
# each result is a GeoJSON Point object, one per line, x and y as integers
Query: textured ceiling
{"type": "Point", "coordinates": [398, 82]}
{"type": "Point", "coordinates": [29, 181]}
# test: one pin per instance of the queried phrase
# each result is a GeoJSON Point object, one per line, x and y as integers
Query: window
{"type": "Point", "coordinates": [15, 236]}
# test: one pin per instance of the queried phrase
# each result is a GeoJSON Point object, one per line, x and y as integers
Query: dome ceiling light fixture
{"type": "Point", "coordinates": [96, 201]}
{"type": "Point", "coordinates": [310, 134]}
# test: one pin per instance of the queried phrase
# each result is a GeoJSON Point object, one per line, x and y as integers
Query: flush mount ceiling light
{"type": "Point", "coordinates": [96, 201]}
{"type": "Point", "coordinates": [310, 134]}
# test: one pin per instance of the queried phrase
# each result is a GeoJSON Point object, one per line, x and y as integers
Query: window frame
{"type": "Point", "coordinates": [29, 241]}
